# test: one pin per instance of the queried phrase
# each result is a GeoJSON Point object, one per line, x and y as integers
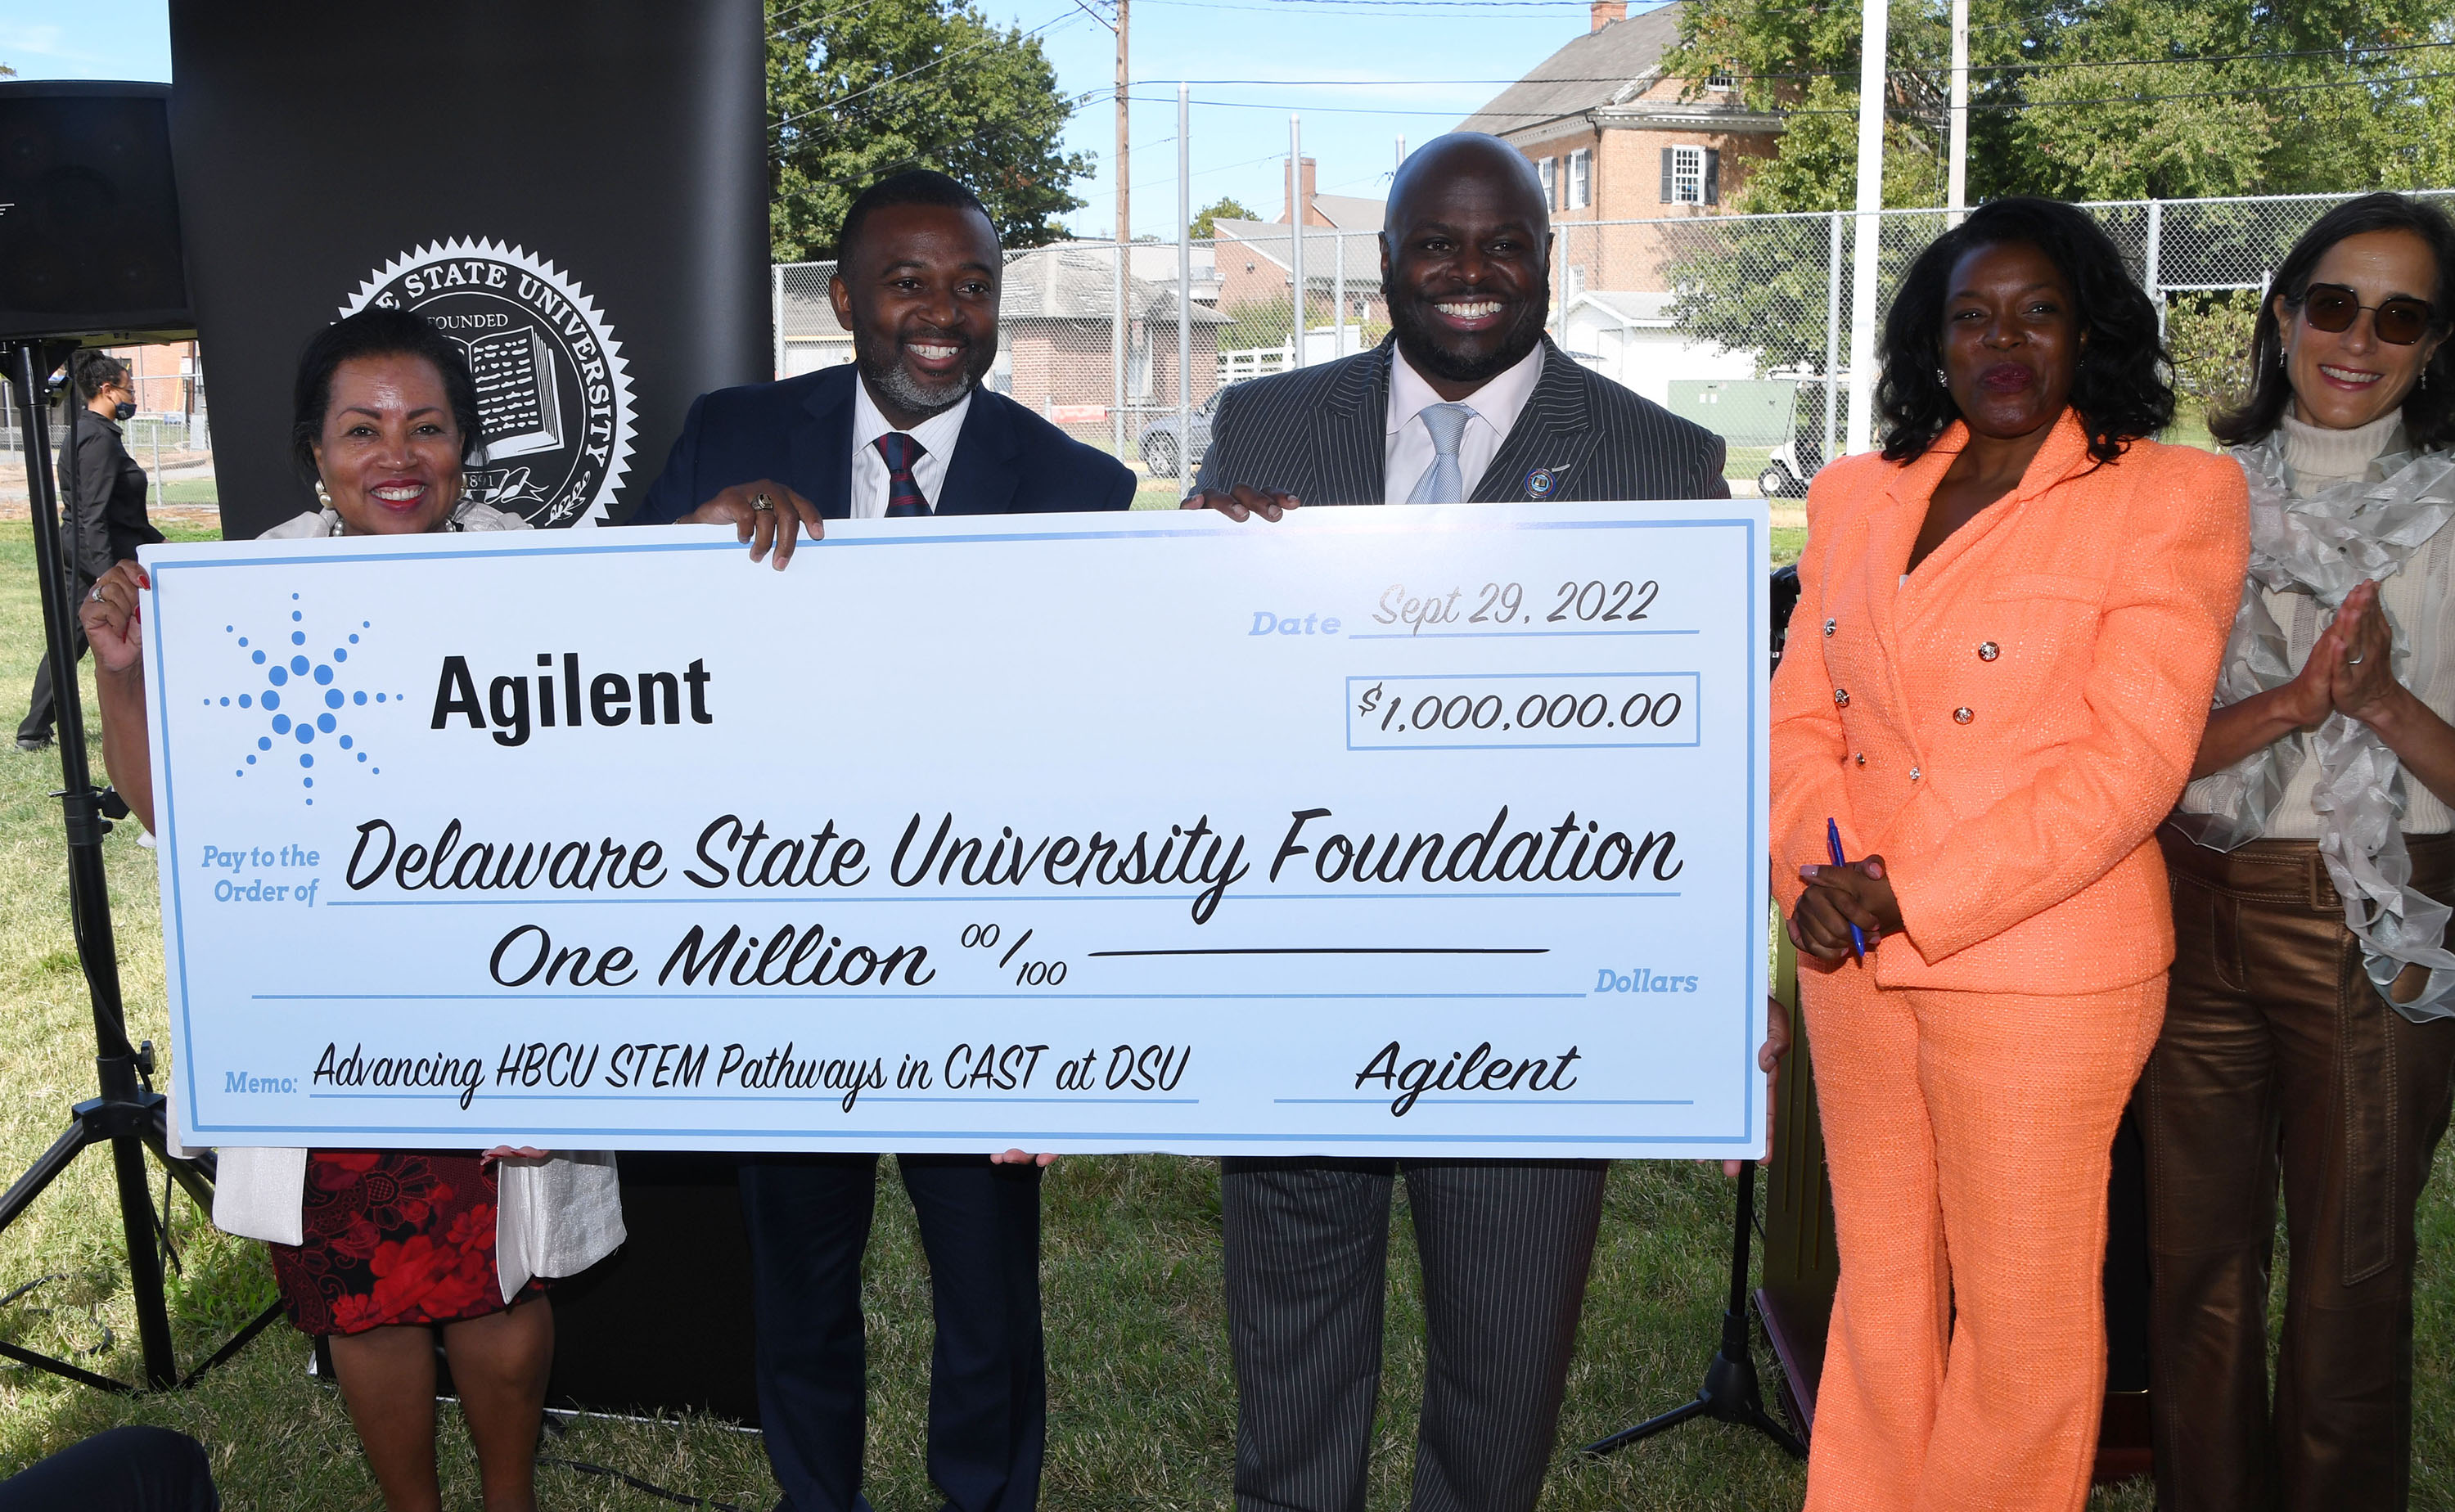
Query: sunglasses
{"type": "Point", "coordinates": [2399, 321]}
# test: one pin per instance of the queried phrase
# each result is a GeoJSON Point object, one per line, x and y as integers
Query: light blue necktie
{"type": "Point", "coordinates": [1440, 483]}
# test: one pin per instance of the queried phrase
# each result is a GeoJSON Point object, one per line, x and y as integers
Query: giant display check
{"type": "Point", "coordinates": [1377, 831]}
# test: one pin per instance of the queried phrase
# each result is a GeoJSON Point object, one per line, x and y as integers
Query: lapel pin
{"type": "Point", "coordinates": [1540, 482]}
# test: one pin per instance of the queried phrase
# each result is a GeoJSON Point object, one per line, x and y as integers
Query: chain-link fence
{"type": "Point", "coordinates": [169, 436]}
{"type": "Point", "coordinates": [1738, 322]}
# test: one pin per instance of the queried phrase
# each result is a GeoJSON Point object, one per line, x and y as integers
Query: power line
{"type": "Point", "coordinates": [1096, 195]}
{"type": "Point", "coordinates": [2115, 63]}
{"type": "Point", "coordinates": [1076, 13]}
{"type": "Point", "coordinates": [1975, 105]}
{"type": "Point", "coordinates": [993, 39]}
{"type": "Point", "coordinates": [2214, 57]}
{"type": "Point", "coordinates": [1285, 6]}
{"type": "Point", "coordinates": [2207, 95]}
{"type": "Point", "coordinates": [1818, 74]}
{"type": "Point", "coordinates": [778, 34]}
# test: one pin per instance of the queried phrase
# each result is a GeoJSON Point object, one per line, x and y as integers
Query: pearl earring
{"type": "Point", "coordinates": [1943, 377]}
{"type": "Point", "coordinates": [323, 499]}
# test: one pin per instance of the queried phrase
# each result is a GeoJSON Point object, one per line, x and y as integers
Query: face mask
{"type": "Point", "coordinates": [123, 411]}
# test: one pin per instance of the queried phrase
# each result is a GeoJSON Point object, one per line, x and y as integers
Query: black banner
{"type": "Point", "coordinates": [575, 189]}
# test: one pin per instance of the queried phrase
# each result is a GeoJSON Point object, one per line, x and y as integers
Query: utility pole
{"type": "Point", "coordinates": [1296, 208]}
{"type": "Point", "coordinates": [1125, 137]}
{"type": "Point", "coordinates": [1117, 326]}
{"type": "Point", "coordinates": [1876, 24]}
{"type": "Point", "coordinates": [1121, 331]}
{"type": "Point", "coordinates": [1957, 199]}
{"type": "Point", "coordinates": [1401, 160]}
{"type": "Point", "coordinates": [1185, 287]}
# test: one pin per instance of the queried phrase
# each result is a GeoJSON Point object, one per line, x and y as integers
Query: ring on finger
{"type": "Point", "coordinates": [762, 504]}
{"type": "Point", "coordinates": [97, 594]}
{"type": "Point", "coordinates": [2352, 661]}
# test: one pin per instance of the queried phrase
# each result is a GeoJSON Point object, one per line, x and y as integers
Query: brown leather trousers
{"type": "Point", "coordinates": [2277, 1052]}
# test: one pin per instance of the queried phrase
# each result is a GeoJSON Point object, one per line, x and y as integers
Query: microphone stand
{"type": "Point", "coordinates": [1731, 1393]}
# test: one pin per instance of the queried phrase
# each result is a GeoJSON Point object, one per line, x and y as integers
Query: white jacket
{"type": "Point", "coordinates": [553, 1217]}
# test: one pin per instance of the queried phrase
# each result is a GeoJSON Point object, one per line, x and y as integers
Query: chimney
{"type": "Point", "coordinates": [1311, 217]}
{"type": "Point", "coordinates": [1607, 11]}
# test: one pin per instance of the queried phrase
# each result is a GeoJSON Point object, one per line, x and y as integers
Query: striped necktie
{"type": "Point", "coordinates": [903, 497]}
{"type": "Point", "coordinates": [1441, 482]}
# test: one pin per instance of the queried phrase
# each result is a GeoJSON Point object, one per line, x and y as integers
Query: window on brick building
{"type": "Point", "coordinates": [1543, 172]}
{"type": "Point", "coordinates": [1691, 176]}
{"type": "Point", "coordinates": [1581, 178]}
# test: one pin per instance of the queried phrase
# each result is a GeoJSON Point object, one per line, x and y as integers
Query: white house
{"type": "Point", "coordinates": [1629, 337]}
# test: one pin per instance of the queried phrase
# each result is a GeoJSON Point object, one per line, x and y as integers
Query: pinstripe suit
{"type": "Point", "coordinates": [1504, 1244]}
{"type": "Point", "coordinates": [1319, 434]}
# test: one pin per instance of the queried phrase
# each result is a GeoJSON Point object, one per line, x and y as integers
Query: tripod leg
{"type": "Point", "coordinates": [1650, 1426]}
{"type": "Point", "coordinates": [41, 1174]}
{"type": "Point", "coordinates": [144, 1263]}
{"type": "Point", "coordinates": [1771, 1427]}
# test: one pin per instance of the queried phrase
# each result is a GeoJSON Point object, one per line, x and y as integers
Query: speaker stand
{"type": "Point", "coordinates": [130, 1115]}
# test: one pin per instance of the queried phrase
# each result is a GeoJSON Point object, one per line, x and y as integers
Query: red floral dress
{"type": "Point", "coordinates": [392, 1237]}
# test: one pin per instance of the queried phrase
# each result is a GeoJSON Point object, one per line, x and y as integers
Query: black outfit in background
{"type": "Point", "coordinates": [133, 1469]}
{"type": "Point", "coordinates": [1504, 1244]}
{"type": "Point", "coordinates": [809, 1215]}
{"type": "Point", "coordinates": [106, 523]}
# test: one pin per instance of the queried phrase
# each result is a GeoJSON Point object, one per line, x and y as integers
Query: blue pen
{"type": "Point", "coordinates": [1833, 843]}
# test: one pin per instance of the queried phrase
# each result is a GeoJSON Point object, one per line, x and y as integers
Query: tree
{"type": "Point", "coordinates": [2209, 335]}
{"type": "Point", "coordinates": [1205, 221]}
{"type": "Point", "coordinates": [2081, 99]}
{"type": "Point", "coordinates": [857, 92]}
{"type": "Point", "coordinates": [2088, 99]}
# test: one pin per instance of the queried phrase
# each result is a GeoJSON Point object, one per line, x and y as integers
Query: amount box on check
{"type": "Point", "coordinates": [1485, 711]}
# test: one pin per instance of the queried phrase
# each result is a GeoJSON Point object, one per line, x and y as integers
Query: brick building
{"type": "Point", "coordinates": [1615, 138]}
{"type": "Point", "coordinates": [1342, 257]}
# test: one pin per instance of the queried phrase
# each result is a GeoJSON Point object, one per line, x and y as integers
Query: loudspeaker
{"type": "Point", "coordinates": [578, 193]}
{"type": "Point", "coordinates": [89, 217]}
{"type": "Point", "coordinates": [664, 1326]}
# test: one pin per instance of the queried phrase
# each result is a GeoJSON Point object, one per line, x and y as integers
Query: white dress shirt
{"type": "Point", "coordinates": [1410, 447]}
{"type": "Point", "coordinates": [936, 436]}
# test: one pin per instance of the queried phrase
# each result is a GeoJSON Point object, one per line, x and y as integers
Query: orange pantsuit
{"type": "Point", "coordinates": [2007, 727]}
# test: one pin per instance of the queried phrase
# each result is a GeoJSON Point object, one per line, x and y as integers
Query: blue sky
{"type": "Point", "coordinates": [1380, 54]}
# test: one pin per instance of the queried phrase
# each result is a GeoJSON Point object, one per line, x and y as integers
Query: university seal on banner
{"type": "Point", "coordinates": [553, 389]}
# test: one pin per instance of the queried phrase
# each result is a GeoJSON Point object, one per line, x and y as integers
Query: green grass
{"type": "Point", "coordinates": [1142, 1399]}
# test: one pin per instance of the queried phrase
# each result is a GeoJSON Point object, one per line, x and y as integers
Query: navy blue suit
{"type": "Point", "coordinates": [809, 1215]}
{"type": "Point", "coordinates": [797, 432]}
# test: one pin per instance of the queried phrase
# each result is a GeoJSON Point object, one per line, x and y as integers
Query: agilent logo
{"type": "Point", "coordinates": [516, 704]}
{"type": "Point", "coordinates": [553, 389]}
{"type": "Point", "coordinates": [303, 699]}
